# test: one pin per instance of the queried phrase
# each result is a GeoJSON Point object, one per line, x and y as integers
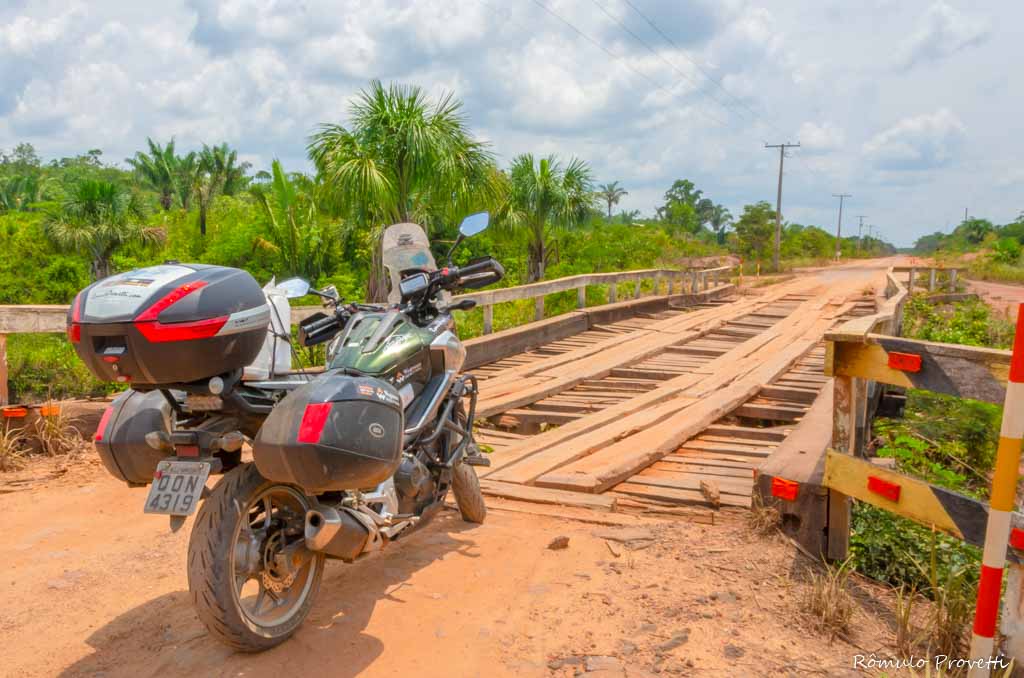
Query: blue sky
{"type": "Point", "coordinates": [913, 107]}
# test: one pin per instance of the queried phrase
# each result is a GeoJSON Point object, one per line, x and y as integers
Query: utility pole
{"type": "Point", "coordinates": [778, 200]}
{"type": "Point", "coordinates": [839, 226]}
{"type": "Point", "coordinates": [860, 232]}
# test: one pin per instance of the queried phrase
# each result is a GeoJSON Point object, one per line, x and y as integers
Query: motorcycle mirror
{"type": "Point", "coordinates": [294, 287]}
{"type": "Point", "coordinates": [474, 223]}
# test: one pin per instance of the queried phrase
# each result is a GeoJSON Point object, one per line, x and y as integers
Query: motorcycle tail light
{"type": "Point", "coordinates": [104, 421]}
{"type": "Point", "coordinates": [74, 327]}
{"type": "Point", "coordinates": [313, 420]}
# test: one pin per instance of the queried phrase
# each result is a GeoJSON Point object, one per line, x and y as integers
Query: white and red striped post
{"type": "Point", "coordinates": [1001, 505]}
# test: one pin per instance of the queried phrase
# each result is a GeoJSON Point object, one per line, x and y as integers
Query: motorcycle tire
{"type": "Point", "coordinates": [466, 487]}
{"type": "Point", "coordinates": [213, 552]}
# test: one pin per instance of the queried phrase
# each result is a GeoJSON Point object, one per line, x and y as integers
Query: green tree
{"type": "Point", "coordinates": [611, 194]}
{"type": "Point", "coordinates": [158, 170]}
{"type": "Point", "coordinates": [402, 157]}
{"type": "Point", "coordinates": [22, 192]}
{"type": "Point", "coordinates": [218, 172]}
{"type": "Point", "coordinates": [756, 229]}
{"type": "Point", "coordinates": [974, 230]}
{"type": "Point", "coordinates": [719, 219]}
{"type": "Point", "coordinates": [303, 239]}
{"type": "Point", "coordinates": [684, 210]}
{"type": "Point", "coordinates": [97, 217]}
{"type": "Point", "coordinates": [186, 174]}
{"type": "Point", "coordinates": [543, 195]}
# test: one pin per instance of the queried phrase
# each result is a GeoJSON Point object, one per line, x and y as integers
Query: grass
{"type": "Point", "coordinates": [13, 451]}
{"type": "Point", "coordinates": [828, 600]}
{"type": "Point", "coordinates": [986, 269]}
{"type": "Point", "coordinates": [45, 366]}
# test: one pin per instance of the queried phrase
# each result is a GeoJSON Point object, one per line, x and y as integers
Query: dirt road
{"type": "Point", "coordinates": [1003, 297]}
{"type": "Point", "coordinates": [95, 588]}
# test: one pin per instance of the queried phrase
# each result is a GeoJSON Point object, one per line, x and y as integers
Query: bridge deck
{"type": "Point", "coordinates": [661, 409]}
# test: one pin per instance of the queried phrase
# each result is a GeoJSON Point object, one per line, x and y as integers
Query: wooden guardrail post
{"type": "Point", "coordinates": [538, 308]}
{"type": "Point", "coordinates": [581, 296]}
{"type": "Point", "coordinates": [5, 395]}
{"type": "Point", "coordinates": [952, 280]}
{"type": "Point", "coordinates": [488, 318]}
{"type": "Point", "coordinates": [931, 279]}
{"type": "Point", "coordinates": [613, 293]}
{"type": "Point", "coordinates": [671, 282]}
{"type": "Point", "coordinates": [657, 283]}
{"type": "Point", "coordinates": [636, 292]}
{"type": "Point", "coordinates": [910, 280]}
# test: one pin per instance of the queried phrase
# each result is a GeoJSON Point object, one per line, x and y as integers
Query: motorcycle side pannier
{"type": "Point", "coordinates": [338, 432]}
{"type": "Point", "coordinates": [169, 324]}
{"type": "Point", "coordinates": [121, 435]}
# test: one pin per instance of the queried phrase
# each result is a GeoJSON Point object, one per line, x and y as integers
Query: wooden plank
{"type": "Point", "coordinates": [739, 488]}
{"type": "Point", "coordinates": [546, 496]}
{"type": "Point", "coordinates": [769, 412]}
{"type": "Point", "coordinates": [676, 496]}
{"type": "Point", "coordinates": [746, 432]}
{"type": "Point", "coordinates": [668, 469]}
{"type": "Point", "coordinates": [537, 416]}
{"type": "Point", "coordinates": [799, 395]}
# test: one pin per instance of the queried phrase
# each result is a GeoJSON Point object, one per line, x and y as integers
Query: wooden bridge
{"type": "Point", "coordinates": [673, 393]}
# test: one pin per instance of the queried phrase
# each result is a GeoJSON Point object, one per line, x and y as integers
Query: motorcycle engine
{"type": "Point", "coordinates": [414, 485]}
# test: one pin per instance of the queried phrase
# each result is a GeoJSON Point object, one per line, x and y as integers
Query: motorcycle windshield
{"type": "Point", "coordinates": [405, 247]}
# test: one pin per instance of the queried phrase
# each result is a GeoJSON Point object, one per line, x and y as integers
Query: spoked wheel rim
{"type": "Point", "coordinates": [273, 572]}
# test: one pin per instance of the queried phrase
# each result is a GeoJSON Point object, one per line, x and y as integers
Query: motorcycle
{"type": "Point", "coordinates": [344, 462]}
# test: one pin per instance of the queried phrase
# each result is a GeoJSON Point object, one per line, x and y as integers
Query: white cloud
{"type": "Point", "coordinates": [816, 139]}
{"type": "Point", "coordinates": [917, 143]}
{"type": "Point", "coordinates": [944, 31]}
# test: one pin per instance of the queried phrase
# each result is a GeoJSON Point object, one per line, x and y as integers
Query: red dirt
{"type": "Point", "coordinates": [1003, 297]}
{"type": "Point", "coordinates": [94, 587]}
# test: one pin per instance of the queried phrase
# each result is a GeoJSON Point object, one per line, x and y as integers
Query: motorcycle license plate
{"type": "Point", "coordinates": [177, 487]}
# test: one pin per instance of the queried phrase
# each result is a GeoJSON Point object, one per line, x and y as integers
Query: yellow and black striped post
{"type": "Point", "coordinates": [1001, 505]}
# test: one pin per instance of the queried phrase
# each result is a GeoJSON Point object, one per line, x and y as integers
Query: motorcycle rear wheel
{"type": "Point", "coordinates": [466, 487]}
{"type": "Point", "coordinates": [252, 580]}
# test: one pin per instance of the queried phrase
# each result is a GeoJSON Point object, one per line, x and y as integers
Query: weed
{"type": "Point", "coordinates": [12, 449]}
{"type": "Point", "coordinates": [58, 437]}
{"type": "Point", "coordinates": [906, 640]}
{"type": "Point", "coordinates": [763, 519]}
{"type": "Point", "coordinates": [829, 601]}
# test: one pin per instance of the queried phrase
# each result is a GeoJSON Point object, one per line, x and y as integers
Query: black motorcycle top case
{"type": "Point", "coordinates": [338, 432]}
{"type": "Point", "coordinates": [169, 324]}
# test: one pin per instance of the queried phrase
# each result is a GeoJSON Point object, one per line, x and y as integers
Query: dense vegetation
{"type": "Point", "coordinates": [991, 251]}
{"type": "Point", "coordinates": [400, 156]}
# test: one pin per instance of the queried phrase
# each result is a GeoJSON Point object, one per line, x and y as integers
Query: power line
{"type": "Point", "coordinates": [658, 54]}
{"type": "Point", "coordinates": [708, 75]}
{"type": "Point", "coordinates": [860, 231]}
{"type": "Point", "coordinates": [839, 226]}
{"type": "Point", "coordinates": [778, 201]}
{"type": "Point", "coordinates": [615, 56]}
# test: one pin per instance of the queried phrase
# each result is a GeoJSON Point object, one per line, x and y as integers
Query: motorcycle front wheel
{"type": "Point", "coordinates": [251, 578]}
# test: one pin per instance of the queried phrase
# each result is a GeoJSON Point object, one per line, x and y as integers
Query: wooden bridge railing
{"type": "Point", "coordinates": [51, 318]}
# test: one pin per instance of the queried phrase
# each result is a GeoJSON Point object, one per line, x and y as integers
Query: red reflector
{"type": "Point", "coordinates": [157, 332]}
{"type": "Point", "coordinates": [1017, 538]}
{"type": "Point", "coordinates": [785, 489]}
{"type": "Point", "coordinates": [174, 297]}
{"type": "Point", "coordinates": [884, 488]}
{"type": "Point", "coordinates": [74, 329]}
{"type": "Point", "coordinates": [313, 420]}
{"type": "Point", "coordinates": [15, 412]}
{"type": "Point", "coordinates": [905, 362]}
{"type": "Point", "coordinates": [101, 430]}
{"type": "Point", "coordinates": [187, 450]}
{"type": "Point", "coordinates": [111, 358]}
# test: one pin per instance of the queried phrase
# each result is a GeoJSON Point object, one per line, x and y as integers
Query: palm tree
{"type": "Point", "coordinates": [719, 217]}
{"type": "Point", "coordinates": [402, 158]}
{"type": "Point", "coordinates": [298, 234]}
{"type": "Point", "coordinates": [611, 193]}
{"type": "Point", "coordinates": [20, 193]}
{"type": "Point", "coordinates": [97, 217]}
{"type": "Point", "coordinates": [185, 175]}
{"type": "Point", "coordinates": [218, 172]}
{"type": "Point", "coordinates": [158, 170]}
{"type": "Point", "coordinates": [542, 195]}
{"type": "Point", "coordinates": [630, 217]}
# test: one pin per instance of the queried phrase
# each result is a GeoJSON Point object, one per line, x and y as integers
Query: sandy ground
{"type": "Point", "coordinates": [1003, 297]}
{"type": "Point", "coordinates": [93, 587]}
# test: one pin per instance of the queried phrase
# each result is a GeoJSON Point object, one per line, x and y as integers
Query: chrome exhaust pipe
{"type": "Point", "coordinates": [338, 534]}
